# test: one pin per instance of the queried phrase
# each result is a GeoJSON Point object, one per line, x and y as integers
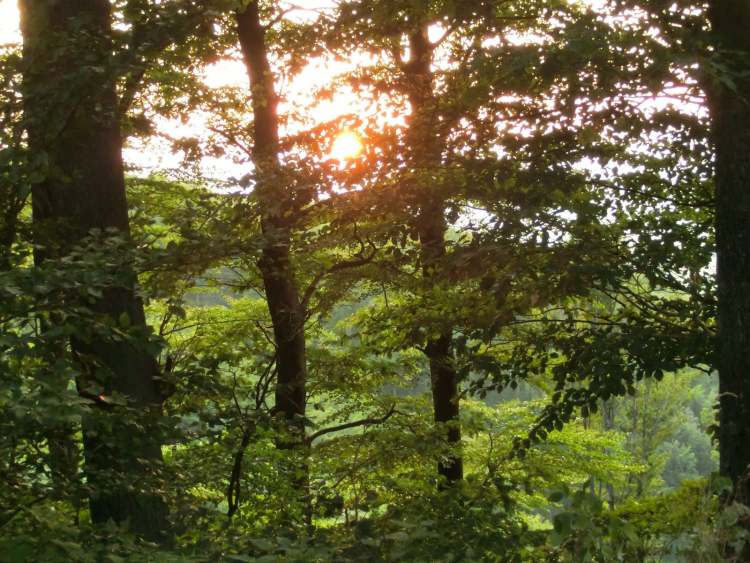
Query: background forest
{"type": "Point", "coordinates": [369, 280]}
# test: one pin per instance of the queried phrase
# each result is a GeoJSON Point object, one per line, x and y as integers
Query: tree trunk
{"type": "Point", "coordinates": [431, 228]}
{"type": "Point", "coordinates": [445, 400]}
{"type": "Point", "coordinates": [608, 424]}
{"type": "Point", "coordinates": [70, 110]}
{"type": "Point", "coordinates": [730, 113]}
{"type": "Point", "coordinates": [11, 204]}
{"type": "Point", "coordinates": [276, 202]}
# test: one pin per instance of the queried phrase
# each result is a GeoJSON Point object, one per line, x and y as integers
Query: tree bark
{"type": "Point", "coordinates": [70, 110]}
{"type": "Point", "coordinates": [277, 218]}
{"type": "Point", "coordinates": [729, 105]}
{"type": "Point", "coordinates": [431, 228]}
{"type": "Point", "coordinates": [276, 203]}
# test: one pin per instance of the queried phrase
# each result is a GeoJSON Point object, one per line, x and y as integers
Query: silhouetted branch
{"type": "Point", "coordinates": [354, 424]}
{"type": "Point", "coordinates": [363, 259]}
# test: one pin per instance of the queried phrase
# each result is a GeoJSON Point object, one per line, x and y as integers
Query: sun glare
{"type": "Point", "coordinates": [346, 146]}
{"type": "Point", "coordinates": [9, 32]}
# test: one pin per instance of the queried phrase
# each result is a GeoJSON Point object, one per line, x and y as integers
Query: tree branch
{"type": "Point", "coordinates": [363, 422]}
{"type": "Point", "coordinates": [362, 260]}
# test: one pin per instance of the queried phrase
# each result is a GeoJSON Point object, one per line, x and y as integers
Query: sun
{"type": "Point", "coordinates": [346, 146]}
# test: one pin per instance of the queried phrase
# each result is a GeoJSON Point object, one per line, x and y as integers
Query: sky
{"type": "Point", "coordinates": [9, 32]}
{"type": "Point", "coordinates": [9, 16]}
{"type": "Point", "coordinates": [156, 154]}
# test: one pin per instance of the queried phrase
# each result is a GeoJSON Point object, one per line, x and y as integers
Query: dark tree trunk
{"type": "Point", "coordinates": [276, 202]}
{"type": "Point", "coordinates": [275, 264]}
{"type": "Point", "coordinates": [70, 108]}
{"type": "Point", "coordinates": [445, 400]}
{"type": "Point", "coordinates": [431, 228]}
{"type": "Point", "coordinates": [11, 205]}
{"type": "Point", "coordinates": [730, 113]}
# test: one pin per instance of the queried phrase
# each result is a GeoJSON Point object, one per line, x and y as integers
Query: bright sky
{"type": "Point", "coordinates": [157, 155]}
{"type": "Point", "coordinates": [9, 32]}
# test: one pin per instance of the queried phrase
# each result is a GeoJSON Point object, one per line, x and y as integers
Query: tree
{"type": "Point", "coordinates": [284, 203]}
{"type": "Point", "coordinates": [703, 64]}
{"type": "Point", "coordinates": [277, 200]}
{"type": "Point", "coordinates": [430, 225]}
{"type": "Point", "coordinates": [727, 96]}
{"type": "Point", "coordinates": [72, 117]}
{"type": "Point", "coordinates": [493, 206]}
{"type": "Point", "coordinates": [530, 216]}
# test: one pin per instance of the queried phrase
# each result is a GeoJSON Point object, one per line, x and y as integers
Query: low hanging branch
{"type": "Point", "coordinates": [354, 424]}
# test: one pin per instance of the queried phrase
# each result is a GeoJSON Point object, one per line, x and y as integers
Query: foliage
{"type": "Point", "coordinates": [577, 289]}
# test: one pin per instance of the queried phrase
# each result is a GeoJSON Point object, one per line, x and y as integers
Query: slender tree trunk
{"type": "Point", "coordinates": [608, 424]}
{"type": "Point", "coordinates": [70, 109]}
{"type": "Point", "coordinates": [431, 227]}
{"type": "Point", "coordinates": [10, 206]}
{"type": "Point", "coordinates": [63, 449]}
{"type": "Point", "coordinates": [13, 180]}
{"type": "Point", "coordinates": [276, 201]}
{"type": "Point", "coordinates": [730, 112]}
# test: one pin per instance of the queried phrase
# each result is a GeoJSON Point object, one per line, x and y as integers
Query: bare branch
{"type": "Point", "coordinates": [354, 424]}
{"type": "Point", "coordinates": [435, 44]}
{"type": "Point", "coordinates": [235, 480]}
{"type": "Point", "coordinates": [363, 259]}
{"type": "Point", "coordinates": [145, 47]}
{"type": "Point", "coordinates": [232, 139]}
{"type": "Point", "coordinates": [264, 382]}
